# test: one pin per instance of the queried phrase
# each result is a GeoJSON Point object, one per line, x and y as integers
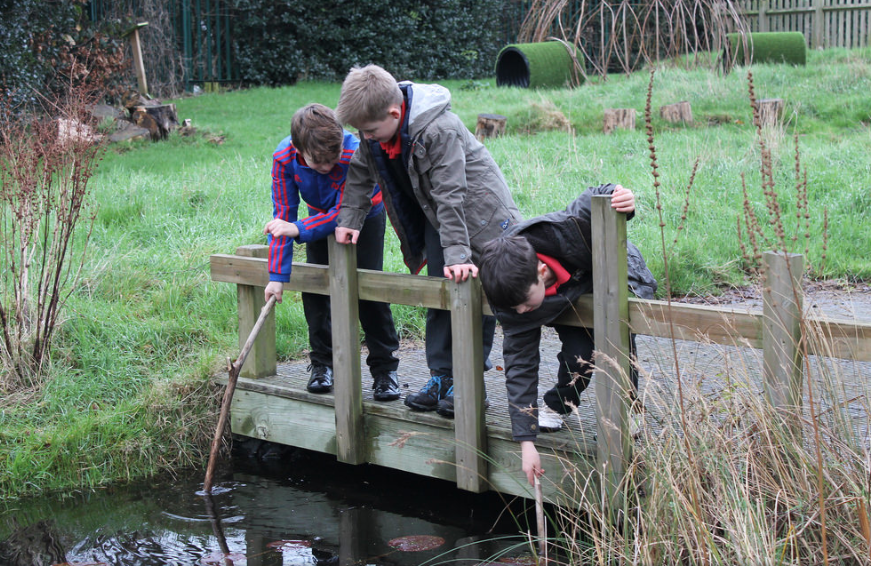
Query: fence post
{"type": "Point", "coordinates": [345, 311]}
{"type": "Point", "coordinates": [468, 361]}
{"type": "Point", "coordinates": [781, 333]}
{"type": "Point", "coordinates": [611, 328]}
{"type": "Point", "coordinates": [763, 16]}
{"type": "Point", "coordinates": [819, 24]}
{"type": "Point", "coordinates": [261, 360]}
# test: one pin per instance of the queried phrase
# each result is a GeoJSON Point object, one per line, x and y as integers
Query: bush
{"type": "Point", "coordinates": [49, 47]}
{"type": "Point", "coordinates": [280, 42]}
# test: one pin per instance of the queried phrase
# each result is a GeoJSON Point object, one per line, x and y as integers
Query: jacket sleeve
{"type": "Point", "coordinates": [522, 359]}
{"type": "Point", "coordinates": [447, 175]}
{"type": "Point", "coordinates": [285, 205]}
{"type": "Point", "coordinates": [357, 193]}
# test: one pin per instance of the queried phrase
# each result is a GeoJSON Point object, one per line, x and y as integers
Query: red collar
{"type": "Point", "coordinates": [393, 148]}
{"type": "Point", "coordinates": [561, 274]}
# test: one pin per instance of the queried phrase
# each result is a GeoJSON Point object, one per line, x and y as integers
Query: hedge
{"type": "Point", "coordinates": [281, 41]}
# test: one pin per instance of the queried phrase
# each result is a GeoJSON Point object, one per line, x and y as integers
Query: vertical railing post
{"type": "Point", "coordinates": [781, 333]}
{"type": "Point", "coordinates": [345, 309]}
{"type": "Point", "coordinates": [763, 15]}
{"type": "Point", "coordinates": [611, 329]}
{"type": "Point", "coordinates": [261, 360]}
{"type": "Point", "coordinates": [468, 361]}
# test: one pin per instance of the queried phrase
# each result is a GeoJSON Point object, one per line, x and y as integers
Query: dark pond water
{"type": "Point", "coordinates": [297, 509]}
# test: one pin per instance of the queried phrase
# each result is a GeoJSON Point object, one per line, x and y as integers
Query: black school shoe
{"type": "Point", "coordinates": [385, 386]}
{"type": "Point", "coordinates": [446, 406]}
{"type": "Point", "coordinates": [321, 380]}
{"type": "Point", "coordinates": [428, 397]}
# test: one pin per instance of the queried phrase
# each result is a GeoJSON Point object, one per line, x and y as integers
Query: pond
{"type": "Point", "coordinates": [291, 507]}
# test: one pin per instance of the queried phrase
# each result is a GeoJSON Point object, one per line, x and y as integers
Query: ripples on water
{"type": "Point", "coordinates": [302, 509]}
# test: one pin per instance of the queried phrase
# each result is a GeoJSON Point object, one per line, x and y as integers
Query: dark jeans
{"type": "Point", "coordinates": [439, 355]}
{"type": "Point", "coordinates": [576, 355]}
{"type": "Point", "coordinates": [375, 317]}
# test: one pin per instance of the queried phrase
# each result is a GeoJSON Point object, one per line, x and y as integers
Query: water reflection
{"type": "Point", "coordinates": [303, 510]}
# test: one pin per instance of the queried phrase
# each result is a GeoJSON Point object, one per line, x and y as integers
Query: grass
{"type": "Point", "coordinates": [130, 390]}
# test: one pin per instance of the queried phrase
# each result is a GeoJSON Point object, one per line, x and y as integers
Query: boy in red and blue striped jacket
{"type": "Point", "coordinates": [310, 165]}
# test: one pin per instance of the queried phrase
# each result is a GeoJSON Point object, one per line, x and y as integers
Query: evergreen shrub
{"type": "Point", "coordinates": [281, 41]}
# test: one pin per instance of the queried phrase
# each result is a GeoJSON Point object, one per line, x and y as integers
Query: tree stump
{"type": "Point", "coordinates": [490, 126]}
{"type": "Point", "coordinates": [619, 118]}
{"type": "Point", "coordinates": [677, 112]}
{"type": "Point", "coordinates": [770, 111]}
{"type": "Point", "coordinates": [159, 120]}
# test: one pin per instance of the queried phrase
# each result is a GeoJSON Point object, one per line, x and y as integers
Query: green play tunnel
{"type": "Point", "coordinates": [766, 47]}
{"type": "Point", "coordinates": [536, 65]}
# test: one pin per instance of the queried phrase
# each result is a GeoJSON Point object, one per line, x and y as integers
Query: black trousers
{"type": "Point", "coordinates": [439, 355]}
{"type": "Point", "coordinates": [576, 355]}
{"type": "Point", "coordinates": [375, 317]}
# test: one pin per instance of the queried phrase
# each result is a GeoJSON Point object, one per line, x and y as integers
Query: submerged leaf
{"type": "Point", "coordinates": [416, 543]}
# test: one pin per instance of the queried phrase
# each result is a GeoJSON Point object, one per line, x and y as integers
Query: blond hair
{"type": "Point", "coordinates": [367, 95]}
{"type": "Point", "coordinates": [317, 133]}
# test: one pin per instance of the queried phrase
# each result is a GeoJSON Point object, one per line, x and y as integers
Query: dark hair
{"type": "Point", "coordinates": [316, 132]}
{"type": "Point", "coordinates": [508, 267]}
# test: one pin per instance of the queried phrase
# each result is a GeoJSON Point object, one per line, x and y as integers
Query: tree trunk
{"type": "Point", "coordinates": [619, 118]}
{"type": "Point", "coordinates": [490, 126]}
{"type": "Point", "coordinates": [677, 112]}
{"type": "Point", "coordinates": [770, 111]}
{"type": "Point", "coordinates": [159, 120]}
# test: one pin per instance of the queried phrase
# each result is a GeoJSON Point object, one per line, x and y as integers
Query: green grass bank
{"type": "Point", "coordinates": [129, 392]}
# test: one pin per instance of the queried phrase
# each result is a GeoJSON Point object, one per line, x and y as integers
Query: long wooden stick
{"type": "Point", "coordinates": [228, 393]}
{"type": "Point", "coordinates": [542, 526]}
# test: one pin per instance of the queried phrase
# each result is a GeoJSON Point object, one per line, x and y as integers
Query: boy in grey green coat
{"type": "Point", "coordinates": [444, 194]}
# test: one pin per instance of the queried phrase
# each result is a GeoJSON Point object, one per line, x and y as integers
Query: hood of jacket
{"type": "Point", "coordinates": [430, 101]}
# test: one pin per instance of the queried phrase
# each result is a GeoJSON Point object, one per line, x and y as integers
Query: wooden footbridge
{"type": "Point", "coordinates": [475, 450]}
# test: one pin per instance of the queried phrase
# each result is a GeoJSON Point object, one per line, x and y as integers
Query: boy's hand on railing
{"type": "Point", "coordinates": [622, 200]}
{"type": "Point", "coordinates": [274, 289]}
{"type": "Point", "coordinates": [346, 235]}
{"type": "Point", "coordinates": [460, 271]}
{"type": "Point", "coordinates": [278, 227]}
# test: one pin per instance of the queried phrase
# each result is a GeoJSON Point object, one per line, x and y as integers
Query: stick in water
{"type": "Point", "coordinates": [542, 527]}
{"type": "Point", "coordinates": [228, 393]}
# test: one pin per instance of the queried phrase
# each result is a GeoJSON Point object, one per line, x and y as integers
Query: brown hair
{"type": "Point", "coordinates": [508, 268]}
{"type": "Point", "coordinates": [367, 95]}
{"type": "Point", "coordinates": [317, 132]}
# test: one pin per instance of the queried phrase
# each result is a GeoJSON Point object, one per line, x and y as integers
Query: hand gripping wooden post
{"type": "Point", "coordinates": [228, 393]}
{"type": "Point", "coordinates": [611, 329]}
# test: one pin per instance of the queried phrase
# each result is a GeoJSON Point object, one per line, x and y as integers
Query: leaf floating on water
{"type": "Point", "coordinates": [416, 543]}
{"type": "Point", "coordinates": [222, 559]}
{"type": "Point", "coordinates": [289, 544]}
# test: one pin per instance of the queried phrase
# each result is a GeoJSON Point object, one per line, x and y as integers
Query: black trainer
{"type": "Point", "coordinates": [321, 380]}
{"type": "Point", "coordinates": [385, 386]}
{"type": "Point", "coordinates": [446, 405]}
{"type": "Point", "coordinates": [562, 399]}
{"type": "Point", "coordinates": [429, 396]}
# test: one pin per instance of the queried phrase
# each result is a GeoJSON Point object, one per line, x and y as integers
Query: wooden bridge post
{"type": "Point", "coordinates": [781, 333]}
{"type": "Point", "coordinates": [261, 360]}
{"type": "Point", "coordinates": [468, 360]}
{"type": "Point", "coordinates": [611, 328]}
{"type": "Point", "coordinates": [345, 311]}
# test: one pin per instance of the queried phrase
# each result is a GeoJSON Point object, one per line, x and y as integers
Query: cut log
{"type": "Point", "coordinates": [770, 111]}
{"type": "Point", "coordinates": [160, 120]}
{"type": "Point", "coordinates": [677, 112]}
{"type": "Point", "coordinates": [619, 118]}
{"type": "Point", "coordinates": [490, 126]}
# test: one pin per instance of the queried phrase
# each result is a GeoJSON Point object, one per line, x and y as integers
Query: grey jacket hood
{"type": "Point", "coordinates": [429, 101]}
